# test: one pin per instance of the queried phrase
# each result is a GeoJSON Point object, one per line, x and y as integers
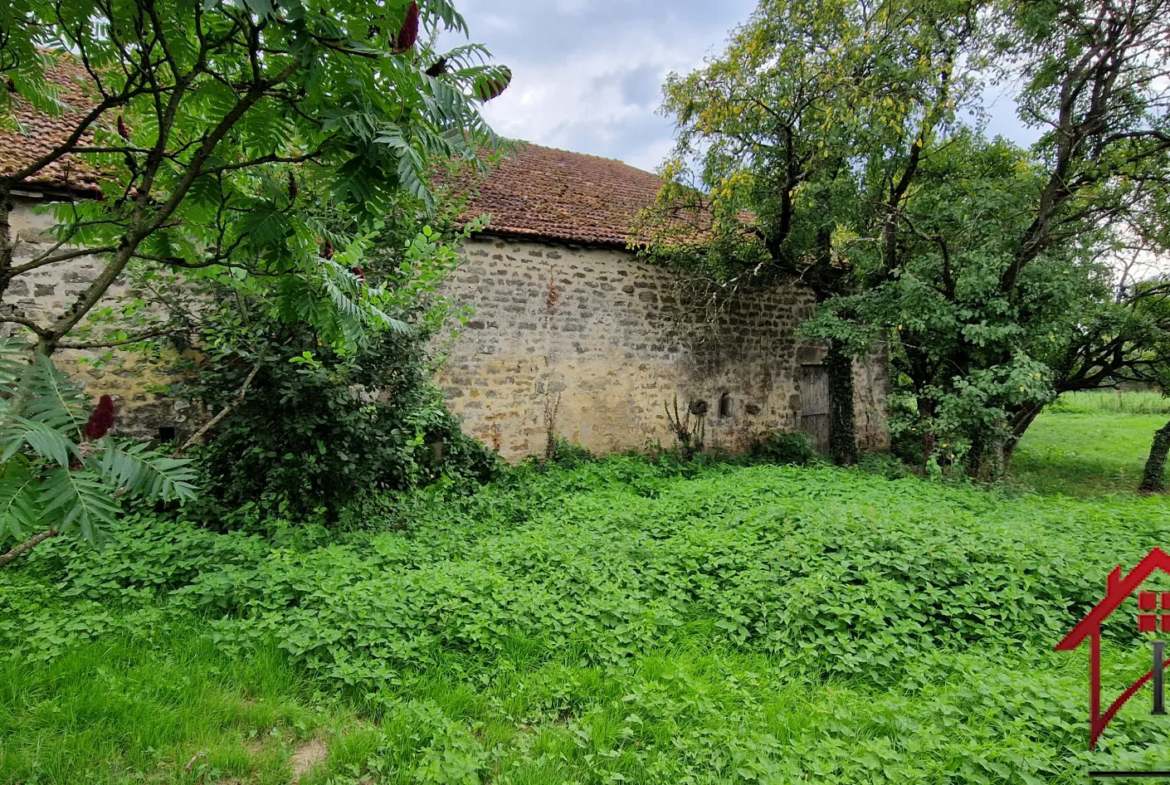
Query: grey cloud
{"type": "Point", "coordinates": [588, 74]}
{"type": "Point", "coordinates": [642, 86]}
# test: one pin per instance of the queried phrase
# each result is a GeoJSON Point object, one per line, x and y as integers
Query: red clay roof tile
{"type": "Point", "coordinates": [539, 192]}
{"type": "Point", "coordinates": [40, 133]}
{"type": "Point", "coordinates": [558, 195]}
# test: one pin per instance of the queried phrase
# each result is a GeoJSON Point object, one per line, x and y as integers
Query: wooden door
{"type": "Point", "coordinates": [814, 403]}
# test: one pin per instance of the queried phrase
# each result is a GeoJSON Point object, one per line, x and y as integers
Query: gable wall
{"type": "Point", "coordinates": [592, 343]}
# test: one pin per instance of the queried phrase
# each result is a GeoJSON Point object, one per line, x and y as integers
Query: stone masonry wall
{"type": "Point", "coordinates": [126, 377]}
{"type": "Point", "coordinates": [586, 341]}
{"type": "Point", "coordinates": [590, 344]}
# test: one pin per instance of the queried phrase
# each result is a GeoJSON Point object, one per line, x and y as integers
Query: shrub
{"type": "Point", "coordinates": [565, 453]}
{"type": "Point", "coordinates": [316, 433]}
{"type": "Point", "coordinates": [317, 427]}
{"type": "Point", "coordinates": [782, 448]}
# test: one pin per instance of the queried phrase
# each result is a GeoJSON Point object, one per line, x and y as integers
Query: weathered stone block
{"type": "Point", "coordinates": [615, 358]}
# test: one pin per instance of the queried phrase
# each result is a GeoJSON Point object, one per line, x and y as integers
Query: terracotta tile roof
{"type": "Point", "coordinates": [539, 192]}
{"type": "Point", "coordinates": [42, 132]}
{"type": "Point", "coordinates": [558, 195]}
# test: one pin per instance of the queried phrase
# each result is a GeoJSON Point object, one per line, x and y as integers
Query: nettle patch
{"type": "Point", "coordinates": [637, 621]}
{"type": "Point", "coordinates": [827, 572]}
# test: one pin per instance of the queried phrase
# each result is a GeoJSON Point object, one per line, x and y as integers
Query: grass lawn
{"type": "Point", "coordinates": [618, 622]}
{"type": "Point", "coordinates": [1086, 454]}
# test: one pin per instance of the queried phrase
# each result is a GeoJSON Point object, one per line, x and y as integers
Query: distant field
{"type": "Point", "coordinates": [1110, 401]}
{"type": "Point", "coordinates": [1081, 454]}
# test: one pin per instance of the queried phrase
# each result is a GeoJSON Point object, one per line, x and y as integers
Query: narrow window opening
{"type": "Point", "coordinates": [725, 405]}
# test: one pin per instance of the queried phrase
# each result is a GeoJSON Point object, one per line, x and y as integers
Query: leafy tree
{"type": "Point", "coordinates": [244, 142]}
{"type": "Point", "coordinates": [60, 471]}
{"type": "Point", "coordinates": [947, 320]}
{"type": "Point", "coordinates": [811, 102]}
{"type": "Point", "coordinates": [995, 286]}
{"type": "Point", "coordinates": [984, 265]}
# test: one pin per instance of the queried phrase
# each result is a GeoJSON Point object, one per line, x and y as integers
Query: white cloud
{"type": "Point", "coordinates": [587, 77]}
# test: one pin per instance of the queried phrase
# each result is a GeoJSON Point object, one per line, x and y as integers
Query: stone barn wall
{"type": "Point", "coordinates": [585, 341]}
{"type": "Point", "coordinates": [125, 376]}
{"type": "Point", "coordinates": [590, 344]}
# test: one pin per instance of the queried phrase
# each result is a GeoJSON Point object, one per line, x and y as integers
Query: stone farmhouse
{"type": "Point", "coordinates": [572, 334]}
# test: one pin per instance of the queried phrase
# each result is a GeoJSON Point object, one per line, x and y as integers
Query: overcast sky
{"type": "Point", "coordinates": [587, 75]}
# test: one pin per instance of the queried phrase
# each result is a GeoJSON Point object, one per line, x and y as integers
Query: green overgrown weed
{"type": "Point", "coordinates": [657, 621]}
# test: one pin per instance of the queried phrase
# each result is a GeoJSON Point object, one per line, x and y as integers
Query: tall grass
{"type": "Point", "coordinates": [162, 706]}
{"type": "Point", "coordinates": [1111, 402]}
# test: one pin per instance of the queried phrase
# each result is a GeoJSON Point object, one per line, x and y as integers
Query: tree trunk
{"type": "Point", "coordinates": [926, 421]}
{"type": "Point", "coordinates": [993, 463]}
{"type": "Point", "coordinates": [1022, 420]}
{"type": "Point", "coordinates": [987, 457]}
{"type": "Point", "coordinates": [1153, 480]}
{"type": "Point", "coordinates": [973, 463]}
{"type": "Point", "coordinates": [27, 545]}
{"type": "Point", "coordinates": [843, 422]}
{"type": "Point", "coordinates": [7, 245]}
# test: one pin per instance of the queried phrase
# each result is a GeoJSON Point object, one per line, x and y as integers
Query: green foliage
{"type": "Point", "coordinates": [970, 353]}
{"type": "Point", "coordinates": [757, 552]}
{"type": "Point", "coordinates": [319, 429]}
{"type": "Point", "coordinates": [565, 453]}
{"type": "Point", "coordinates": [240, 145]}
{"type": "Point", "coordinates": [654, 621]}
{"type": "Point", "coordinates": [51, 475]}
{"type": "Point", "coordinates": [797, 104]}
{"type": "Point", "coordinates": [661, 621]}
{"type": "Point", "coordinates": [782, 448]}
{"type": "Point", "coordinates": [316, 436]}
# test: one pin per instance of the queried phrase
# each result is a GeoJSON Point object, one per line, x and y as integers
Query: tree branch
{"type": "Point", "coordinates": [225, 411]}
{"type": "Point", "coordinates": [27, 545]}
{"type": "Point", "coordinates": [41, 332]}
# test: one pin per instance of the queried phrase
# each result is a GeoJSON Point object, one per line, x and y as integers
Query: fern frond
{"type": "Point", "coordinates": [13, 363]}
{"type": "Point", "coordinates": [45, 395]}
{"type": "Point", "coordinates": [145, 472]}
{"type": "Point", "coordinates": [77, 499]}
{"type": "Point", "coordinates": [19, 499]}
{"type": "Point", "coordinates": [44, 438]}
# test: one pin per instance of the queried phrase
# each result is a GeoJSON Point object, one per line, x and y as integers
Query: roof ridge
{"type": "Point", "coordinates": [584, 155]}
